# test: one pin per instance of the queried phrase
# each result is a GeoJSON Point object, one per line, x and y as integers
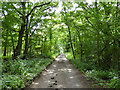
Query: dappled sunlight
{"type": "Point", "coordinates": [35, 83]}
{"type": "Point", "coordinates": [57, 59]}
{"type": "Point", "coordinates": [44, 74]}
{"type": "Point", "coordinates": [71, 77]}
{"type": "Point", "coordinates": [50, 71]}
{"type": "Point", "coordinates": [57, 43]}
{"type": "Point", "coordinates": [65, 70]}
{"type": "Point", "coordinates": [60, 86]}
{"type": "Point", "coordinates": [60, 75]}
{"type": "Point", "coordinates": [69, 70]}
{"type": "Point", "coordinates": [61, 58]}
{"type": "Point", "coordinates": [62, 70]}
{"type": "Point", "coordinates": [48, 81]}
{"type": "Point", "coordinates": [54, 65]}
{"type": "Point", "coordinates": [77, 85]}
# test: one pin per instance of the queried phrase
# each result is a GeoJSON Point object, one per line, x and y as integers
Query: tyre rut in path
{"type": "Point", "coordinates": [61, 74]}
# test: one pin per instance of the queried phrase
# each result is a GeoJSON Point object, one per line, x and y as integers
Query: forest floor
{"type": "Point", "coordinates": [61, 74]}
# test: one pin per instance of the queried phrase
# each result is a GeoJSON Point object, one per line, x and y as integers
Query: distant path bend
{"type": "Point", "coordinates": [61, 74]}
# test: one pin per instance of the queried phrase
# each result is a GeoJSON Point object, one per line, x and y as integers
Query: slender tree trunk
{"type": "Point", "coordinates": [12, 44]}
{"type": "Point", "coordinates": [98, 38]}
{"type": "Point", "coordinates": [4, 51]}
{"type": "Point", "coordinates": [80, 44]}
{"type": "Point", "coordinates": [42, 50]}
{"type": "Point", "coordinates": [30, 42]}
{"type": "Point", "coordinates": [44, 46]}
{"type": "Point", "coordinates": [71, 42]}
{"type": "Point", "coordinates": [50, 39]}
{"type": "Point", "coordinates": [116, 50]}
{"type": "Point", "coordinates": [26, 40]}
{"type": "Point", "coordinates": [5, 47]}
{"type": "Point", "coordinates": [98, 53]}
{"type": "Point", "coordinates": [74, 40]}
{"type": "Point", "coordinates": [44, 42]}
{"type": "Point", "coordinates": [39, 41]}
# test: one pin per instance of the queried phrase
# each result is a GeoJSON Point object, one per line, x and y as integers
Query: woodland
{"type": "Point", "coordinates": [34, 33]}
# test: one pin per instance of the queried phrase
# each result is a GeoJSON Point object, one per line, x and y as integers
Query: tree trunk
{"type": "Point", "coordinates": [50, 39]}
{"type": "Point", "coordinates": [4, 51]}
{"type": "Point", "coordinates": [21, 32]}
{"type": "Point", "coordinates": [12, 45]}
{"type": "Point", "coordinates": [5, 47]}
{"type": "Point", "coordinates": [80, 44]}
{"type": "Point", "coordinates": [44, 43]}
{"type": "Point", "coordinates": [116, 49]}
{"type": "Point", "coordinates": [19, 45]}
{"type": "Point", "coordinates": [71, 42]}
{"type": "Point", "coordinates": [26, 41]}
{"type": "Point", "coordinates": [98, 38]}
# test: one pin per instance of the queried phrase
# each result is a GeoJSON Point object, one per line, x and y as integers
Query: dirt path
{"type": "Point", "coordinates": [61, 74]}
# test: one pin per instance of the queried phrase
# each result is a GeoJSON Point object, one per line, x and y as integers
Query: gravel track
{"type": "Point", "coordinates": [61, 74]}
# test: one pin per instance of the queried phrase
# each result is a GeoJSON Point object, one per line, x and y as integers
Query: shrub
{"type": "Point", "coordinates": [114, 82]}
{"type": "Point", "coordinates": [17, 72]}
{"type": "Point", "coordinates": [102, 75]}
{"type": "Point", "coordinates": [12, 81]}
{"type": "Point", "coordinates": [91, 74]}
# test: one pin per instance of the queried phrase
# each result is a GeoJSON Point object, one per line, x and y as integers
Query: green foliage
{"type": "Point", "coordinates": [54, 55]}
{"type": "Point", "coordinates": [97, 75]}
{"type": "Point", "coordinates": [82, 65]}
{"type": "Point", "coordinates": [114, 82]}
{"type": "Point", "coordinates": [16, 73]}
{"type": "Point", "coordinates": [69, 56]}
{"type": "Point", "coordinates": [107, 79]}
{"type": "Point", "coordinates": [12, 81]}
{"type": "Point", "coordinates": [89, 31]}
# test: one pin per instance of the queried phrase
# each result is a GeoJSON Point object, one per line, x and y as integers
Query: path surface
{"type": "Point", "coordinates": [61, 74]}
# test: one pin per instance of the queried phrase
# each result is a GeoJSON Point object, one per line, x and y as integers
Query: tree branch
{"type": "Point", "coordinates": [16, 9]}
{"type": "Point", "coordinates": [87, 17]}
{"type": "Point", "coordinates": [38, 6]}
{"type": "Point", "coordinates": [106, 46]}
{"type": "Point", "coordinates": [90, 23]}
{"type": "Point", "coordinates": [86, 10]}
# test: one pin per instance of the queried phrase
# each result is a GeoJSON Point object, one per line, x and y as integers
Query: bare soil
{"type": "Point", "coordinates": [61, 74]}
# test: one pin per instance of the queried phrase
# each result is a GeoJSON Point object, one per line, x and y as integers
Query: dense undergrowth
{"type": "Point", "coordinates": [20, 73]}
{"type": "Point", "coordinates": [103, 78]}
